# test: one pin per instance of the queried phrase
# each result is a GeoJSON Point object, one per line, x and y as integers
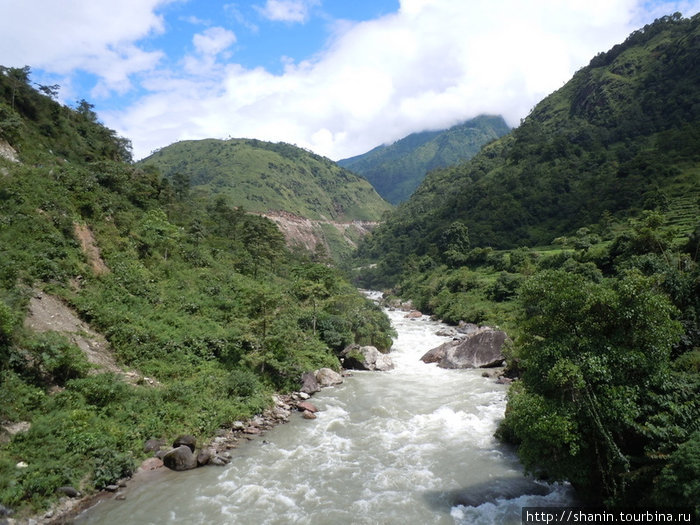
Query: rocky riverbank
{"type": "Point", "coordinates": [217, 451]}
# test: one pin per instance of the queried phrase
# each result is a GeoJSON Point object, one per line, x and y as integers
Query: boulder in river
{"type": "Point", "coordinates": [306, 406]}
{"type": "Point", "coordinates": [328, 377]}
{"type": "Point", "coordinates": [482, 349]}
{"type": "Point", "coordinates": [180, 458]}
{"type": "Point", "coordinates": [309, 385]}
{"type": "Point", "coordinates": [366, 358]}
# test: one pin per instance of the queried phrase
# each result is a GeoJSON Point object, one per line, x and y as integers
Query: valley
{"type": "Point", "coordinates": [182, 294]}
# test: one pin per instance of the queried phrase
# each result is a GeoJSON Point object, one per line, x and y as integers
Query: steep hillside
{"type": "Point", "coordinates": [579, 233]}
{"type": "Point", "coordinates": [130, 311]}
{"type": "Point", "coordinates": [396, 170]}
{"type": "Point", "coordinates": [622, 136]}
{"type": "Point", "coordinates": [279, 180]}
{"type": "Point", "coordinates": [261, 176]}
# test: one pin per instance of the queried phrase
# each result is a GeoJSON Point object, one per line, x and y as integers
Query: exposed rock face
{"type": "Point", "coordinates": [180, 458]}
{"type": "Point", "coordinates": [366, 358]}
{"type": "Point", "coordinates": [7, 151]}
{"type": "Point", "coordinates": [300, 231]}
{"type": "Point", "coordinates": [478, 350]}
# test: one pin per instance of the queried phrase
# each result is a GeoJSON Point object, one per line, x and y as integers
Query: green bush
{"type": "Point", "coordinates": [109, 466]}
{"type": "Point", "coordinates": [242, 383]}
{"type": "Point", "coordinates": [18, 399]}
{"type": "Point", "coordinates": [100, 390]}
{"type": "Point", "coordinates": [55, 359]}
{"type": "Point", "coordinates": [679, 482]}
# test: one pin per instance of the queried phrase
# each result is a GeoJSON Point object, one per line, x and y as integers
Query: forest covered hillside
{"type": "Point", "coordinates": [262, 176]}
{"type": "Point", "coordinates": [319, 206]}
{"type": "Point", "coordinates": [131, 309]}
{"type": "Point", "coordinates": [579, 233]}
{"type": "Point", "coordinates": [622, 136]}
{"type": "Point", "coordinates": [396, 170]}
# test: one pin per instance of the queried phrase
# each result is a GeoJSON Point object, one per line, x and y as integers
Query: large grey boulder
{"type": "Point", "coordinates": [366, 358]}
{"type": "Point", "coordinates": [186, 440]}
{"type": "Point", "coordinates": [180, 458]}
{"type": "Point", "coordinates": [309, 385]}
{"type": "Point", "coordinates": [481, 349]}
{"type": "Point", "coordinates": [327, 377]}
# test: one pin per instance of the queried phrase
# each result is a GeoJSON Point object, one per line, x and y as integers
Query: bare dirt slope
{"type": "Point", "coordinates": [308, 233]}
{"type": "Point", "coordinates": [90, 249]}
{"type": "Point", "coordinates": [48, 313]}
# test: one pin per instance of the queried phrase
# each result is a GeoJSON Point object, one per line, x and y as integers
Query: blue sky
{"type": "Point", "coordinates": [335, 76]}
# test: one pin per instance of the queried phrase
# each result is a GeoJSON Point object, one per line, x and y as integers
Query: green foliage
{"type": "Point", "coordinates": [598, 151]}
{"type": "Point", "coordinates": [396, 170]}
{"type": "Point", "coordinates": [595, 357]}
{"type": "Point", "coordinates": [262, 176]}
{"type": "Point", "coordinates": [111, 466]}
{"type": "Point", "coordinates": [18, 398]}
{"type": "Point", "coordinates": [679, 481]}
{"type": "Point", "coordinates": [7, 328]}
{"type": "Point", "coordinates": [40, 129]}
{"type": "Point", "coordinates": [200, 297]}
{"type": "Point", "coordinates": [52, 359]}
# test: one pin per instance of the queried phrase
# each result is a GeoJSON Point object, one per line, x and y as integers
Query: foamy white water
{"type": "Point", "coordinates": [411, 446]}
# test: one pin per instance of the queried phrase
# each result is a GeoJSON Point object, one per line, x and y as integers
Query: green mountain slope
{"type": "Point", "coordinates": [204, 311]}
{"type": "Point", "coordinates": [622, 136]}
{"type": "Point", "coordinates": [579, 234]}
{"type": "Point", "coordinates": [262, 176]}
{"type": "Point", "coordinates": [396, 170]}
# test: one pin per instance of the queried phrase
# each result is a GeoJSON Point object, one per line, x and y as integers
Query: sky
{"type": "Point", "coordinates": [337, 77]}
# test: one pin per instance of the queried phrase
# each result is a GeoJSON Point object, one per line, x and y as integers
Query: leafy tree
{"type": "Point", "coordinates": [156, 234]}
{"type": "Point", "coordinates": [18, 77]}
{"type": "Point", "coordinates": [454, 243]}
{"type": "Point", "coordinates": [592, 352]}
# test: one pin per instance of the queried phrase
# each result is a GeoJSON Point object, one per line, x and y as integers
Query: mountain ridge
{"type": "Point", "coordinates": [307, 195]}
{"type": "Point", "coordinates": [397, 169]}
{"type": "Point", "coordinates": [602, 144]}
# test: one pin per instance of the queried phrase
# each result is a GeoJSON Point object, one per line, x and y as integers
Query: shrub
{"type": "Point", "coordinates": [110, 466]}
{"type": "Point", "coordinates": [100, 390]}
{"type": "Point", "coordinates": [242, 382]}
{"type": "Point", "coordinates": [56, 360]}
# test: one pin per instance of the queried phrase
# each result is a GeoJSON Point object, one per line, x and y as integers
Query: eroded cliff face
{"type": "Point", "coordinates": [309, 233]}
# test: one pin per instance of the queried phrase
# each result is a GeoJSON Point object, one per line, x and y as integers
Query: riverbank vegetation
{"type": "Point", "coordinates": [205, 310]}
{"type": "Point", "coordinates": [578, 233]}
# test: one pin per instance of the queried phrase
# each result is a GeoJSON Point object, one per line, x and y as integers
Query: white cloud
{"type": "Point", "coordinates": [213, 40]}
{"type": "Point", "coordinates": [431, 64]}
{"type": "Point", "coordinates": [288, 10]}
{"type": "Point", "coordinates": [96, 36]}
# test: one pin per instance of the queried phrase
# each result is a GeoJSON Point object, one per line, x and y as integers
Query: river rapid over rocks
{"type": "Point", "coordinates": [413, 445]}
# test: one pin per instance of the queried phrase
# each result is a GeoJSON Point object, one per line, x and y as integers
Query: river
{"type": "Point", "coordinates": [411, 446]}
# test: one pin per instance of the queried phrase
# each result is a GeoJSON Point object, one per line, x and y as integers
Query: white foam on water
{"type": "Point", "coordinates": [508, 511]}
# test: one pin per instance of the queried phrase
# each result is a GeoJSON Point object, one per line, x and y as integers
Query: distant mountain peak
{"type": "Point", "coordinates": [397, 169]}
